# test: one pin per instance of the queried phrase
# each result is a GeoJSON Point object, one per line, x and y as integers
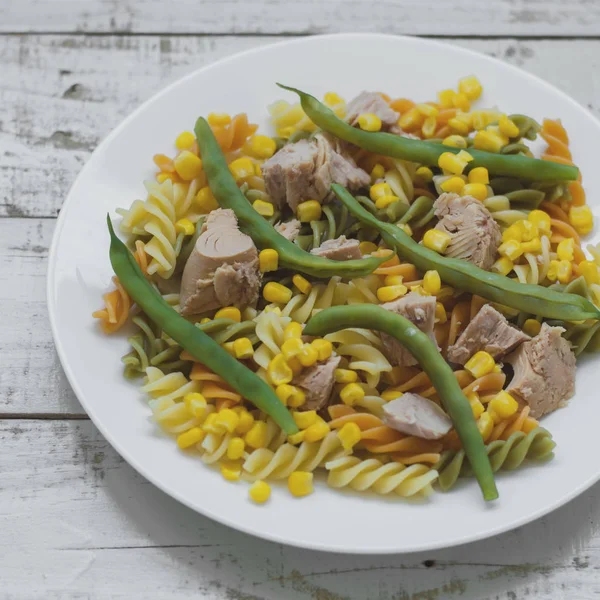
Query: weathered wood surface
{"type": "Point", "coordinates": [427, 17]}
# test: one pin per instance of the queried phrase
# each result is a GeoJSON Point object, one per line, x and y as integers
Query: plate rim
{"type": "Point", "coordinates": [146, 472]}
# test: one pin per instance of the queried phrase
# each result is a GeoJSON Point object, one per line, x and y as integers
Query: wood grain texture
{"type": "Point", "coordinates": [78, 522]}
{"type": "Point", "coordinates": [428, 17]}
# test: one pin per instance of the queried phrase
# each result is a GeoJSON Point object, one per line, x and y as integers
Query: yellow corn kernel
{"type": "Point", "coordinates": [235, 448]}
{"type": "Point", "coordinates": [552, 274]}
{"type": "Point", "coordinates": [291, 395]}
{"type": "Point", "coordinates": [485, 424]}
{"type": "Point", "coordinates": [425, 173]}
{"type": "Point", "coordinates": [480, 364]}
{"type": "Point", "coordinates": [229, 312]}
{"type": "Point", "coordinates": [257, 436]}
{"type": "Point", "coordinates": [309, 211]}
{"type": "Point", "coordinates": [479, 119]}
{"type": "Point", "coordinates": [302, 284]}
{"type": "Point", "coordinates": [205, 320]}
{"type": "Point", "coordinates": [316, 432]}
{"type": "Point", "coordinates": [296, 438]}
{"type": "Point", "coordinates": [429, 126]}
{"type": "Point", "coordinates": [513, 233]}
{"type": "Point", "coordinates": [300, 483]}
{"type": "Point", "coordinates": [352, 393]}
{"type": "Point", "coordinates": [479, 175]}
{"type": "Point", "coordinates": [437, 240]}
{"type": "Point", "coordinates": [162, 177]}
{"type": "Point", "coordinates": [218, 119]}
{"type": "Point", "coordinates": [412, 119]}
{"type": "Point", "coordinates": [378, 172]}
{"type": "Point", "coordinates": [345, 376]}
{"type": "Point", "coordinates": [367, 247]}
{"type": "Point", "coordinates": [452, 163]}
{"type": "Point", "coordinates": [191, 437]}
{"type": "Point", "coordinates": [261, 146]}
{"type": "Point", "coordinates": [307, 355]}
{"type": "Point", "coordinates": [379, 190]}
{"type": "Point", "coordinates": [279, 371]}
{"type": "Point", "coordinates": [406, 228]}
{"type": "Point", "coordinates": [260, 492]}
{"type": "Point", "coordinates": [432, 283]}
{"type": "Point", "coordinates": [564, 271]}
{"type": "Point", "coordinates": [209, 424]}
{"type": "Point", "coordinates": [187, 165]}
{"type": "Point", "coordinates": [241, 168]}
{"type": "Point", "coordinates": [427, 110]}
{"type": "Point", "coordinates": [470, 87]}
{"type": "Point", "coordinates": [488, 141]}
{"type": "Point", "coordinates": [390, 395]}
{"type": "Point", "coordinates": [503, 405]}
{"type": "Point", "coordinates": [332, 99]}
{"type": "Point", "coordinates": [305, 419]}
{"type": "Point", "coordinates": [478, 191]}
{"type": "Point", "coordinates": [242, 348]}
{"type": "Point", "coordinates": [265, 209]}
{"type": "Point", "coordinates": [205, 200]}
{"type": "Point", "coordinates": [393, 280]}
{"type": "Point", "coordinates": [532, 327]}
{"type": "Point", "coordinates": [369, 122]}
{"type": "Point", "coordinates": [440, 313]}
{"type": "Point", "coordinates": [268, 260]}
{"type": "Point", "coordinates": [534, 246]}
{"type": "Point", "coordinates": [385, 201]}
{"type": "Point", "coordinates": [590, 271]}
{"type": "Point", "coordinates": [323, 347]}
{"type": "Point", "coordinates": [245, 423]}
{"type": "Point", "coordinates": [291, 347]}
{"type": "Point", "coordinates": [458, 126]}
{"type": "Point", "coordinates": [529, 230]}
{"type": "Point", "coordinates": [476, 406]}
{"type": "Point", "coordinates": [565, 249]}
{"type": "Point", "coordinates": [275, 292]}
{"type": "Point", "coordinates": [418, 289]}
{"type": "Point", "coordinates": [185, 140]}
{"type": "Point", "coordinates": [231, 472]}
{"type": "Point", "coordinates": [446, 98]}
{"type": "Point", "coordinates": [540, 219]}
{"type": "Point", "coordinates": [257, 170]}
{"type": "Point", "coordinates": [507, 127]}
{"type": "Point", "coordinates": [510, 249]}
{"type": "Point", "coordinates": [455, 141]}
{"type": "Point", "coordinates": [185, 226]}
{"type": "Point", "coordinates": [227, 420]}
{"type": "Point", "coordinates": [582, 219]}
{"type": "Point", "coordinates": [349, 435]}
{"type": "Point", "coordinates": [229, 347]}
{"type": "Point", "coordinates": [196, 404]}
{"type": "Point", "coordinates": [292, 330]}
{"type": "Point", "coordinates": [388, 293]}
{"type": "Point", "coordinates": [465, 156]}
{"type": "Point", "coordinates": [453, 184]}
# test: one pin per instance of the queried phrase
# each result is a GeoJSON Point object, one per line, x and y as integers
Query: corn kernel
{"type": "Point", "coordinates": [191, 437]}
{"type": "Point", "coordinates": [532, 327]}
{"type": "Point", "coordinates": [529, 230]}
{"type": "Point", "coordinates": [429, 127]}
{"type": "Point", "coordinates": [388, 293]}
{"type": "Point", "coordinates": [390, 395]}
{"type": "Point", "coordinates": [275, 292]}
{"type": "Point", "coordinates": [503, 405]}
{"type": "Point", "coordinates": [378, 190]}
{"type": "Point", "coordinates": [323, 347]}
{"type": "Point", "coordinates": [245, 423]}
{"type": "Point", "coordinates": [162, 177]}
{"type": "Point", "coordinates": [296, 438]}
{"type": "Point", "coordinates": [205, 320]}
{"type": "Point", "coordinates": [352, 393]}
{"type": "Point", "coordinates": [279, 371]}
{"type": "Point", "coordinates": [196, 404]}
{"type": "Point", "coordinates": [476, 190]}
{"type": "Point", "coordinates": [552, 274]}
{"type": "Point", "coordinates": [231, 472]}
{"type": "Point", "coordinates": [268, 260]}
{"type": "Point", "coordinates": [345, 376]}
{"type": "Point", "coordinates": [205, 200]}
{"type": "Point", "coordinates": [259, 492]}
{"type": "Point", "coordinates": [369, 122]}
{"type": "Point", "coordinates": [290, 395]}
{"type": "Point", "coordinates": [385, 201]}
{"type": "Point", "coordinates": [564, 271]}
{"type": "Point", "coordinates": [465, 156]}
{"type": "Point", "coordinates": [446, 98]}
{"type": "Point", "coordinates": [309, 211]}
{"type": "Point", "coordinates": [507, 127]}
{"type": "Point", "coordinates": [305, 419]}
{"type": "Point", "coordinates": [452, 163]}
{"type": "Point", "coordinates": [209, 424]}
{"type": "Point", "coordinates": [302, 284]}
{"type": "Point", "coordinates": [440, 313]}
{"type": "Point", "coordinates": [185, 226]}
{"type": "Point", "coordinates": [581, 218]}
{"type": "Point", "coordinates": [437, 240]}
{"type": "Point", "coordinates": [300, 483]}
{"type": "Point", "coordinates": [470, 87]}
{"type": "Point", "coordinates": [229, 312]}
{"type": "Point", "coordinates": [511, 250]}
{"type": "Point", "coordinates": [425, 173]}
{"type": "Point", "coordinates": [242, 348]}
{"type": "Point", "coordinates": [218, 119]}
{"type": "Point", "coordinates": [412, 119]}
{"type": "Point", "coordinates": [540, 219]}
{"type": "Point", "coordinates": [235, 448]}
{"type": "Point", "coordinates": [476, 405]}
{"type": "Point", "coordinates": [292, 330]}
{"type": "Point", "coordinates": [367, 247]}
{"type": "Point", "coordinates": [406, 228]}
{"type": "Point", "coordinates": [453, 184]}
{"type": "Point", "coordinates": [393, 280]}
{"type": "Point", "coordinates": [227, 420]}
{"type": "Point", "coordinates": [307, 356]}
{"type": "Point", "coordinates": [291, 347]}
{"type": "Point", "coordinates": [241, 168]}
{"type": "Point", "coordinates": [488, 141]}
{"type": "Point", "coordinates": [458, 126]}
{"type": "Point", "coordinates": [480, 364]}
{"type": "Point", "coordinates": [432, 283]}
{"type": "Point", "coordinates": [378, 172]}
{"type": "Point", "coordinates": [349, 435]}
{"type": "Point", "coordinates": [590, 271]}
{"type": "Point", "coordinates": [418, 289]}
{"type": "Point", "coordinates": [331, 99]}
{"type": "Point", "coordinates": [427, 110]}
{"type": "Point", "coordinates": [229, 347]}
{"type": "Point", "coordinates": [257, 436]}
{"type": "Point", "coordinates": [565, 249]}
{"type": "Point", "coordinates": [316, 432]}
{"type": "Point", "coordinates": [295, 365]}
{"type": "Point", "coordinates": [485, 424]}
{"type": "Point", "coordinates": [455, 141]}
{"type": "Point", "coordinates": [185, 140]}
{"type": "Point", "coordinates": [261, 146]}
{"type": "Point", "coordinates": [265, 209]}
{"type": "Point", "coordinates": [187, 165]}
{"type": "Point", "coordinates": [479, 175]}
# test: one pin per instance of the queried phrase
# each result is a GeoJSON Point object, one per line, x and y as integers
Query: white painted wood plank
{"type": "Point", "coordinates": [61, 95]}
{"type": "Point", "coordinates": [432, 17]}
{"type": "Point", "coordinates": [78, 522]}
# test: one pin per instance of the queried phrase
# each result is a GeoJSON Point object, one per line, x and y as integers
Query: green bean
{"type": "Point", "coordinates": [192, 339]}
{"type": "Point", "coordinates": [369, 316]}
{"type": "Point", "coordinates": [465, 276]}
{"type": "Point", "coordinates": [228, 195]}
{"type": "Point", "coordinates": [427, 153]}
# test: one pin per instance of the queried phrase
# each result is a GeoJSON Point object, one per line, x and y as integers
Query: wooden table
{"type": "Point", "coordinates": [75, 520]}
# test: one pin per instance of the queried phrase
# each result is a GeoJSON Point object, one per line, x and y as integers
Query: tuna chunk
{"type": "Point", "coordinates": [544, 371]}
{"type": "Point", "coordinates": [306, 169]}
{"type": "Point", "coordinates": [414, 415]}
{"type": "Point", "coordinates": [418, 309]}
{"type": "Point", "coordinates": [289, 230]}
{"type": "Point", "coordinates": [222, 269]}
{"type": "Point", "coordinates": [339, 249]}
{"type": "Point", "coordinates": [371, 102]}
{"type": "Point", "coordinates": [475, 234]}
{"type": "Point", "coordinates": [317, 383]}
{"type": "Point", "coordinates": [488, 331]}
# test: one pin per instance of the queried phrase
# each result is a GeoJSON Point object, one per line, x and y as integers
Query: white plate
{"type": "Point", "coordinates": [80, 273]}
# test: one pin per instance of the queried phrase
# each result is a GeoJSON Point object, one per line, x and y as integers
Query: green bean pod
{"type": "Point", "coordinates": [192, 339]}
{"type": "Point", "coordinates": [369, 316]}
{"type": "Point", "coordinates": [264, 235]}
{"type": "Point", "coordinates": [533, 299]}
{"type": "Point", "coordinates": [428, 153]}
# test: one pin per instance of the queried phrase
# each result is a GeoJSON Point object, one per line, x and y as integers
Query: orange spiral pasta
{"type": "Point", "coordinates": [519, 422]}
{"type": "Point", "coordinates": [233, 136]}
{"type": "Point", "coordinates": [116, 309]}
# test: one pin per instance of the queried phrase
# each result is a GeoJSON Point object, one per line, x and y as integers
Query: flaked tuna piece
{"type": "Point", "coordinates": [289, 230]}
{"type": "Point", "coordinates": [317, 383]}
{"type": "Point", "coordinates": [475, 234]}
{"type": "Point", "coordinates": [306, 169]}
{"type": "Point", "coordinates": [339, 249]}
{"type": "Point", "coordinates": [371, 102]}
{"type": "Point", "coordinates": [544, 371]}
{"type": "Point", "coordinates": [418, 309]}
{"type": "Point", "coordinates": [222, 269]}
{"type": "Point", "coordinates": [488, 331]}
{"type": "Point", "coordinates": [414, 415]}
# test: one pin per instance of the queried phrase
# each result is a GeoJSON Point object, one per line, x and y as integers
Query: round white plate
{"type": "Point", "coordinates": [80, 273]}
